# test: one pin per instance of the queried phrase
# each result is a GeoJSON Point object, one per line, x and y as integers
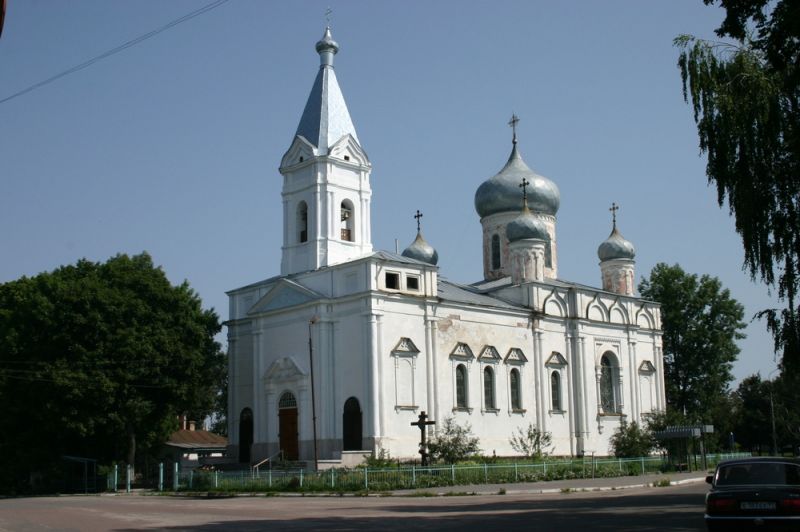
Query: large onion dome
{"type": "Point", "coordinates": [615, 247]}
{"type": "Point", "coordinates": [502, 192]}
{"type": "Point", "coordinates": [422, 251]}
{"type": "Point", "coordinates": [526, 226]}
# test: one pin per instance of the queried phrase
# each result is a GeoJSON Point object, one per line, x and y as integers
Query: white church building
{"type": "Point", "coordinates": [374, 338]}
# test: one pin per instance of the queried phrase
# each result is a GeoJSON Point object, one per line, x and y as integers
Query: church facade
{"type": "Point", "coordinates": [348, 345]}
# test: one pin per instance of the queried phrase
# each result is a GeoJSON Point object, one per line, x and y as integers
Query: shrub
{"type": "Point", "coordinates": [531, 442]}
{"type": "Point", "coordinates": [630, 441]}
{"type": "Point", "coordinates": [453, 442]}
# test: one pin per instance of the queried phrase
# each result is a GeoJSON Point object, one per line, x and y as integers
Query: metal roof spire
{"type": "Point", "coordinates": [325, 118]}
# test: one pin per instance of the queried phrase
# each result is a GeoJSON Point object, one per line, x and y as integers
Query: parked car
{"type": "Point", "coordinates": [762, 493]}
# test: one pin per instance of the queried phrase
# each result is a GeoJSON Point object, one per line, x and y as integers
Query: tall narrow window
{"type": "Point", "coordinates": [548, 253]}
{"type": "Point", "coordinates": [516, 400]}
{"type": "Point", "coordinates": [347, 221]}
{"type": "Point", "coordinates": [609, 385]}
{"type": "Point", "coordinates": [495, 252]}
{"type": "Point", "coordinates": [461, 386]}
{"type": "Point", "coordinates": [302, 221]}
{"type": "Point", "coordinates": [555, 391]}
{"type": "Point", "coordinates": [488, 389]}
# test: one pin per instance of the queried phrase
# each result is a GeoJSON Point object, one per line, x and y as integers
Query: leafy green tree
{"type": "Point", "coordinates": [630, 440]}
{"type": "Point", "coordinates": [453, 442]}
{"type": "Point", "coordinates": [746, 100]}
{"type": "Point", "coordinates": [701, 323]}
{"type": "Point", "coordinates": [757, 400]}
{"type": "Point", "coordinates": [531, 442]}
{"type": "Point", "coordinates": [98, 360]}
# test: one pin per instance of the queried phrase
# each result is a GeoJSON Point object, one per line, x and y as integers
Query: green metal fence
{"type": "Point", "coordinates": [413, 477]}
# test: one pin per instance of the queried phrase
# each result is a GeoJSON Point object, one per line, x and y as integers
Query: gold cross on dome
{"type": "Point", "coordinates": [524, 187]}
{"type": "Point", "coordinates": [614, 208]}
{"type": "Point", "coordinates": [513, 123]}
{"type": "Point", "coordinates": [418, 216]}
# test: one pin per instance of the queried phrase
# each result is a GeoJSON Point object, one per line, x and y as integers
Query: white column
{"type": "Point", "coordinates": [636, 401]}
{"type": "Point", "coordinates": [538, 355]}
{"type": "Point", "coordinates": [570, 377]}
{"type": "Point", "coordinates": [258, 388]}
{"type": "Point", "coordinates": [586, 367]}
{"type": "Point", "coordinates": [233, 418]}
{"type": "Point", "coordinates": [373, 377]}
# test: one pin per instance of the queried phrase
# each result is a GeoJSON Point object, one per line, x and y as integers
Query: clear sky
{"type": "Point", "coordinates": [172, 146]}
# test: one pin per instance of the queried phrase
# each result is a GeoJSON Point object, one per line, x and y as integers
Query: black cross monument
{"type": "Point", "coordinates": [423, 440]}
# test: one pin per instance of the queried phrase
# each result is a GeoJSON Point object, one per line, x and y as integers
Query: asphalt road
{"type": "Point", "coordinates": [636, 509]}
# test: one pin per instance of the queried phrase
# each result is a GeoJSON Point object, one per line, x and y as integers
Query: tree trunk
{"type": "Point", "coordinates": [131, 445]}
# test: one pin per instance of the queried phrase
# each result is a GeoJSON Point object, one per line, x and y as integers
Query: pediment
{"type": "Point", "coordinates": [489, 353]}
{"type": "Point", "coordinates": [515, 356]}
{"type": "Point", "coordinates": [282, 370]}
{"type": "Point", "coordinates": [556, 359]}
{"type": "Point", "coordinates": [284, 294]}
{"type": "Point", "coordinates": [462, 352]}
{"type": "Point", "coordinates": [348, 149]}
{"type": "Point", "coordinates": [405, 347]}
{"type": "Point", "coordinates": [301, 148]}
{"type": "Point", "coordinates": [647, 367]}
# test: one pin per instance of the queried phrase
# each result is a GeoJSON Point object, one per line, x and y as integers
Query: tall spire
{"type": "Point", "coordinates": [325, 118]}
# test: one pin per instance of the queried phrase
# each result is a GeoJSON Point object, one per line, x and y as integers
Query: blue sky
{"type": "Point", "coordinates": [173, 145]}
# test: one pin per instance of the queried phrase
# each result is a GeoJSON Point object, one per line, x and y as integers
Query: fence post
{"type": "Point", "coordinates": [485, 473]}
{"type": "Point", "coordinates": [216, 479]}
{"type": "Point", "coordinates": [544, 468]}
{"type": "Point", "coordinates": [642, 465]}
{"type": "Point", "coordinates": [161, 476]}
{"type": "Point", "coordinates": [191, 477]}
{"type": "Point", "coordinates": [516, 473]}
{"type": "Point", "coordinates": [301, 478]}
{"type": "Point", "coordinates": [413, 475]}
{"type": "Point", "coordinates": [128, 479]}
{"type": "Point", "coordinates": [116, 476]}
{"type": "Point", "coordinates": [270, 477]}
{"type": "Point", "coordinates": [620, 464]}
{"type": "Point", "coordinates": [333, 482]}
{"type": "Point", "coordinates": [175, 476]}
{"type": "Point", "coordinates": [366, 478]}
{"type": "Point", "coordinates": [453, 473]}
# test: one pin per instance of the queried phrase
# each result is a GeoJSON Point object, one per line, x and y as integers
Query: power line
{"type": "Point", "coordinates": [121, 47]}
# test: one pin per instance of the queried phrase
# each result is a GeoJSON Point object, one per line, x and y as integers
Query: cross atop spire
{"type": "Point", "coordinates": [524, 187]}
{"type": "Point", "coordinates": [328, 13]}
{"type": "Point", "coordinates": [418, 216]}
{"type": "Point", "coordinates": [513, 124]}
{"type": "Point", "coordinates": [614, 208]}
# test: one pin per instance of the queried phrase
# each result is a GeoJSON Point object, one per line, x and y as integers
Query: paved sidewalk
{"type": "Point", "coordinates": [556, 486]}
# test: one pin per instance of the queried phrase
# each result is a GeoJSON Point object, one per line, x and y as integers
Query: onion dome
{"type": "Point", "coordinates": [502, 193]}
{"type": "Point", "coordinates": [526, 226]}
{"type": "Point", "coordinates": [422, 251]}
{"type": "Point", "coordinates": [615, 247]}
{"type": "Point", "coordinates": [327, 44]}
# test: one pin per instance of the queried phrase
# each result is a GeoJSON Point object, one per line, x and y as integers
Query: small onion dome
{"type": "Point", "coordinates": [422, 251]}
{"type": "Point", "coordinates": [526, 226]}
{"type": "Point", "coordinates": [615, 247]}
{"type": "Point", "coordinates": [502, 192]}
{"type": "Point", "coordinates": [327, 44]}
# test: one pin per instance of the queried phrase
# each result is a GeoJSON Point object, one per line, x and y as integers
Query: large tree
{"type": "Point", "coordinates": [98, 359]}
{"type": "Point", "coordinates": [701, 323]}
{"type": "Point", "coordinates": [745, 94]}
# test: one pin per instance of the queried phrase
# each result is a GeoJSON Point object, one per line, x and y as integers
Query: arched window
{"type": "Point", "coordinates": [302, 222]}
{"type": "Point", "coordinates": [548, 253]}
{"type": "Point", "coordinates": [245, 435]}
{"type": "Point", "coordinates": [488, 389]}
{"type": "Point", "coordinates": [555, 391]}
{"type": "Point", "coordinates": [516, 399]}
{"type": "Point", "coordinates": [461, 386]}
{"type": "Point", "coordinates": [347, 221]}
{"type": "Point", "coordinates": [609, 385]}
{"type": "Point", "coordinates": [351, 425]}
{"type": "Point", "coordinates": [495, 252]}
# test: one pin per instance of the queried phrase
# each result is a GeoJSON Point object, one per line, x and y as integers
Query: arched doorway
{"type": "Point", "coordinates": [351, 425]}
{"type": "Point", "coordinates": [245, 435]}
{"type": "Point", "coordinates": [287, 426]}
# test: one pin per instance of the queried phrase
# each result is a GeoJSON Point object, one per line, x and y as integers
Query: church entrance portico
{"type": "Point", "coordinates": [287, 426]}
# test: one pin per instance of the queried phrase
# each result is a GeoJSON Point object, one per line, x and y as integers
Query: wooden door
{"type": "Point", "coordinates": [288, 433]}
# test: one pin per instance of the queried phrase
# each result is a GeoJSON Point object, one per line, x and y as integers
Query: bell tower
{"type": "Point", "coordinates": [326, 191]}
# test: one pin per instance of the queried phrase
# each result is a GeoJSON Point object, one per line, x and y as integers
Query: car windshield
{"type": "Point", "coordinates": [774, 473]}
